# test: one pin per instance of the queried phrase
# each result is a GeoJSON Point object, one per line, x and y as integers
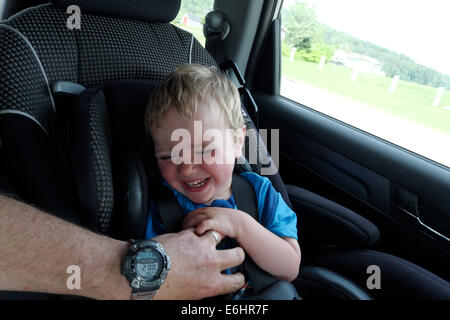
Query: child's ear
{"type": "Point", "coordinates": [239, 138]}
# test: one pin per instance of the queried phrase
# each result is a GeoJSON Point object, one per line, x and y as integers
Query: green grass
{"type": "Point", "coordinates": [409, 101]}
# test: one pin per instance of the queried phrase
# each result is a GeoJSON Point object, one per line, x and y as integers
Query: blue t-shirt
{"type": "Point", "coordinates": [274, 214]}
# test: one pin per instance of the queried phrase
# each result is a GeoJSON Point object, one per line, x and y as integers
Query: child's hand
{"type": "Point", "coordinates": [223, 220]}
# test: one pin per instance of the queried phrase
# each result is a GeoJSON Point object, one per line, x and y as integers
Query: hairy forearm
{"type": "Point", "coordinates": [36, 249]}
{"type": "Point", "coordinates": [275, 255]}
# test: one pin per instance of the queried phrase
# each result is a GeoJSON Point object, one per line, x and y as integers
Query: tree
{"type": "Point", "coordinates": [300, 21]}
{"type": "Point", "coordinates": [393, 63]}
{"type": "Point", "coordinates": [198, 8]}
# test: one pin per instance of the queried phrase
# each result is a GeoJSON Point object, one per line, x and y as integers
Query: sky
{"type": "Point", "coordinates": [419, 29]}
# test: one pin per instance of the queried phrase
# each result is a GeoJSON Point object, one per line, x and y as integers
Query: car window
{"type": "Point", "coordinates": [382, 66]}
{"type": "Point", "coordinates": [191, 17]}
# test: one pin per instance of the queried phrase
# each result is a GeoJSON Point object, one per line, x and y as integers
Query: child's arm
{"type": "Point", "coordinates": [277, 256]}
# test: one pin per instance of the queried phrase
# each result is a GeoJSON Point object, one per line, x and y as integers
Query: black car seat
{"type": "Point", "coordinates": [41, 59]}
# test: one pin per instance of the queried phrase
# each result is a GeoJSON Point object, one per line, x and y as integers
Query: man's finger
{"type": "Point", "coordinates": [204, 226]}
{"type": "Point", "coordinates": [230, 258]}
{"type": "Point", "coordinates": [231, 282]}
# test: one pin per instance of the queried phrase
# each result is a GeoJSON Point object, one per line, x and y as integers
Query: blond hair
{"type": "Point", "coordinates": [186, 87]}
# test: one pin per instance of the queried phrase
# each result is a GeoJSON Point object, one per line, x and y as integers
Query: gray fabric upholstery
{"type": "Point", "coordinates": [23, 85]}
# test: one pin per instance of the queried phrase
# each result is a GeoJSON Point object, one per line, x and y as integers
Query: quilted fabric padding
{"type": "Point", "coordinates": [131, 50]}
{"type": "Point", "coordinates": [23, 87]}
{"type": "Point", "coordinates": [98, 129]}
{"type": "Point", "coordinates": [55, 45]}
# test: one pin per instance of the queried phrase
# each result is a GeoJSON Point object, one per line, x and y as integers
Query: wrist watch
{"type": "Point", "coordinates": [145, 266]}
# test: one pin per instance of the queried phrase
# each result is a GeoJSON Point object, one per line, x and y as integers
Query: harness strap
{"type": "Point", "coordinates": [170, 213]}
{"type": "Point", "coordinates": [245, 198]}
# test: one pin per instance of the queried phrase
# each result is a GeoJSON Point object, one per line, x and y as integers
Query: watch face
{"type": "Point", "coordinates": [148, 264]}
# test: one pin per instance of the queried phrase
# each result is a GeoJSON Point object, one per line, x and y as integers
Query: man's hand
{"type": "Point", "coordinates": [224, 220]}
{"type": "Point", "coordinates": [197, 265]}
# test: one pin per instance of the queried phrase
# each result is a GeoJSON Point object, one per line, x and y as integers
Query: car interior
{"type": "Point", "coordinates": [73, 142]}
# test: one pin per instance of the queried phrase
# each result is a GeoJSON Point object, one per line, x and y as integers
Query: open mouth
{"type": "Point", "coordinates": [196, 185]}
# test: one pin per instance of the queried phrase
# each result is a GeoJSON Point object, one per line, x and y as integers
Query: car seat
{"type": "Point", "coordinates": [43, 66]}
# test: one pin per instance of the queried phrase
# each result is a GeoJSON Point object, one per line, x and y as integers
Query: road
{"type": "Point", "coordinates": [425, 141]}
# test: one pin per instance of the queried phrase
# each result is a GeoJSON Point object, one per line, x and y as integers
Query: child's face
{"type": "Point", "coordinates": [200, 164]}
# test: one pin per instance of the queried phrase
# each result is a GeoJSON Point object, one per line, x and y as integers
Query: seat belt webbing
{"type": "Point", "coordinates": [214, 45]}
{"type": "Point", "coordinates": [170, 213]}
{"type": "Point", "coordinates": [245, 198]}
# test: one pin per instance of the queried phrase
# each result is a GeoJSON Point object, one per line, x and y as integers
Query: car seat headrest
{"type": "Point", "coordinates": [154, 11]}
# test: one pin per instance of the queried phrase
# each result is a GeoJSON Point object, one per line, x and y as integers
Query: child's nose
{"type": "Point", "coordinates": [186, 169]}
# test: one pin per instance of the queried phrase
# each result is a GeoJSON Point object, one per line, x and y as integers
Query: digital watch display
{"type": "Point", "coordinates": [145, 266]}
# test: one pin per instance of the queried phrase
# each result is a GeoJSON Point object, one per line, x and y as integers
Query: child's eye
{"type": "Point", "coordinates": [163, 158]}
